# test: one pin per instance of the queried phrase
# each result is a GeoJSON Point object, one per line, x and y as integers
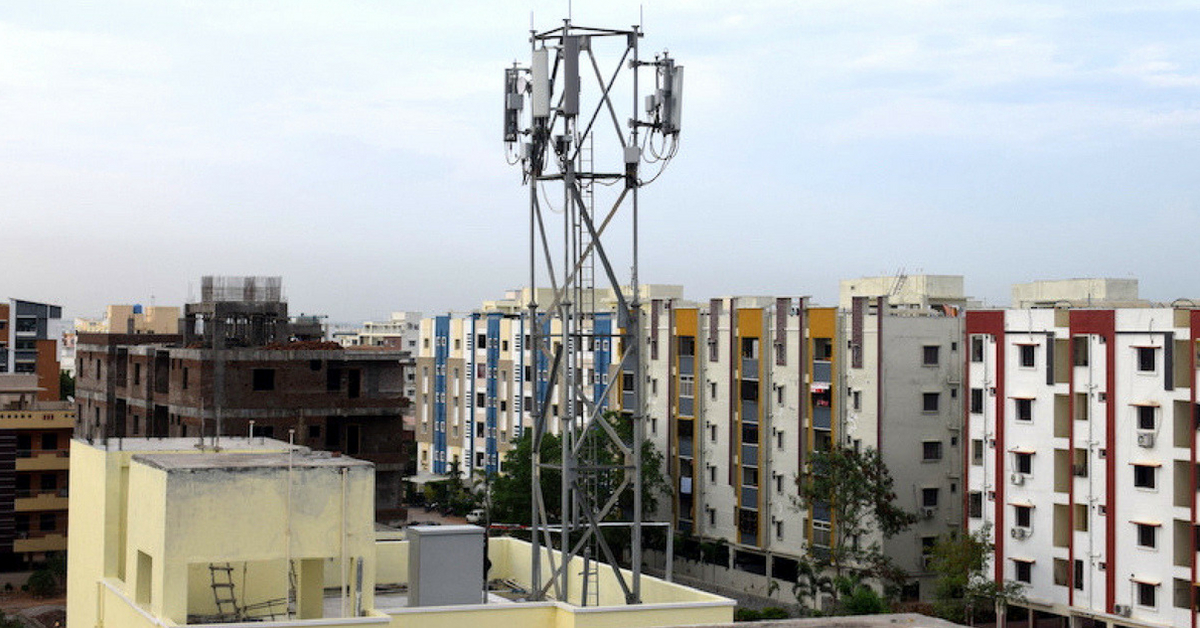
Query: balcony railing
{"type": "Point", "coordinates": [749, 497]}
{"type": "Point", "coordinates": [749, 410]}
{"type": "Point", "coordinates": [39, 492]}
{"type": "Point", "coordinates": [750, 455]}
{"type": "Point", "coordinates": [31, 453]}
{"type": "Point", "coordinates": [687, 365]}
{"type": "Point", "coordinates": [749, 368]}
{"type": "Point", "coordinates": [822, 417]}
{"type": "Point", "coordinates": [687, 406]}
{"type": "Point", "coordinates": [822, 371]}
{"type": "Point", "coordinates": [685, 447]}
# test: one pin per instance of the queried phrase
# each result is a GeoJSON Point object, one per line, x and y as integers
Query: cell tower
{"type": "Point", "coordinates": [571, 163]}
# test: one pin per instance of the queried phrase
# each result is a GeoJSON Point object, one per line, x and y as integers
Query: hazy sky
{"type": "Point", "coordinates": [354, 147]}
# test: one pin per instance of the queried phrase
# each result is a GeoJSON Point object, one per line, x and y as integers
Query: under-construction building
{"type": "Point", "coordinates": [234, 372]}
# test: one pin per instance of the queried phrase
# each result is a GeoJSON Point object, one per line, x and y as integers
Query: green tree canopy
{"type": "Point", "coordinates": [857, 492]}
{"type": "Point", "coordinates": [964, 591]}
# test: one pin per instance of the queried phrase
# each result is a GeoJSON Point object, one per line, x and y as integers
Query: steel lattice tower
{"type": "Point", "coordinates": [572, 102]}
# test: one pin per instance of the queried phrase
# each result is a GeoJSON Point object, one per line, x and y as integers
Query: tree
{"type": "Point", "coordinates": [66, 385]}
{"type": "Point", "coordinates": [963, 590]}
{"type": "Point", "coordinates": [512, 498]}
{"type": "Point", "coordinates": [856, 490]}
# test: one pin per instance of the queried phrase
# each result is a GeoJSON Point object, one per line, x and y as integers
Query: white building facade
{"type": "Point", "coordinates": [1082, 458]}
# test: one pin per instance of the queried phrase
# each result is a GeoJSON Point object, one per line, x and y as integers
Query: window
{"type": "Point", "coordinates": [48, 522]}
{"type": "Point", "coordinates": [712, 512]}
{"type": "Point", "coordinates": [687, 385]}
{"type": "Point", "coordinates": [929, 355]}
{"type": "Point", "coordinates": [264, 379]}
{"type": "Point", "coordinates": [1079, 350]}
{"type": "Point", "coordinates": [1024, 516]}
{"type": "Point", "coordinates": [1145, 359]}
{"type": "Point", "coordinates": [1028, 355]}
{"type": "Point", "coordinates": [1078, 574]}
{"type": "Point", "coordinates": [185, 378]}
{"type": "Point", "coordinates": [976, 401]}
{"type": "Point", "coordinates": [1024, 409]}
{"type": "Point", "coordinates": [1143, 476]}
{"type": "Point", "coordinates": [712, 433]}
{"type": "Point", "coordinates": [480, 343]}
{"type": "Point", "coordinates": [977, 348]}
{"type": "Point", "coordinates": [1024, 569]}
{"type": "Point", "coordinates": [856, 398]}
{"type": "Point", "coordinates": [1147, 535]}
{"type": "Point", "coordinates": [975, 505]}
{"type": "Point", "coordinates": [480, 400]}
{"type": "Point", "coordinates": [1145, 417]}
{"type": "Point", "coordinates": [712, 390]}
{"type": "Point", "coordinates": [712, 474]}
{"type": "Point", "coordinates": [1024, 462]}
{"type": "Point", "coordinates": [929, 497]}
{"type": "Point", "coordinates": [50, 441]}
{"type": "Point", "coordinates": [931, 450]}
{"type": "Point", "coordinates": [929, 401]}
{"type": "Point", "coordinates": [314, 431]}
{"type": "Point", "coordinates": [977, 451]}
{"type": "Point", "coordinates": [779, 530]}
{"type": "Point", "coordinates": [1146, 594]}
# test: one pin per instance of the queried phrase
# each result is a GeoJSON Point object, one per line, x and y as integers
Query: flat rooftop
{"type": "Point", "coordinates": [269, 460]}
{"type": "Point", "coordinates": [227, 444]}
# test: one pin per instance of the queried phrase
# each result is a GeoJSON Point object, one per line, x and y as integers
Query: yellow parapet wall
{"type": "Point", "coordinates": [162, 531]}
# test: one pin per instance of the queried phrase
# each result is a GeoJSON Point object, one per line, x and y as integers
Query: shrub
{"type": "Point", "coordinates": [42, 583]}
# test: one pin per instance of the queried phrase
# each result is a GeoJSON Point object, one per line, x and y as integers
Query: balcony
{"type": "Point", "coordinates": [687, 406]}
{"type": "Point", "coordinates": [749, 368]}
{"type": "Point", "coordinates": [822, 371]}
{"type": "Point", "coordinates": [38, 542]}
{"type": "Point", "coordinates": [36, 500]}
{"type": "Point", "coordinates": [749, 410]}
{"type": "Point", "coordinates": [750, 455]}
{"type": "Point", "coordinates": [749, 497]}
{"type": "Point", "coordinates": [822, 417]}
{"type": "Point", "coordinates": [686, 447]}
{"type": "Point", "coordinates": [43, 459]}
{"type": "Point", "coordinates": [687, 365]}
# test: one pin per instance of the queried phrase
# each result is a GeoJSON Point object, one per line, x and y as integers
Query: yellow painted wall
{"type": "Point", "coordinates": [686, 321]}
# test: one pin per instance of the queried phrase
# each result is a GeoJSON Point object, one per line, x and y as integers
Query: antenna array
{"type": "Point", "coordinates": [563, 143]}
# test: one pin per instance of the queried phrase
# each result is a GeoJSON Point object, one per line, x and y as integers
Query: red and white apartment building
{"type": "Point", "coordinates": [1081, 429]}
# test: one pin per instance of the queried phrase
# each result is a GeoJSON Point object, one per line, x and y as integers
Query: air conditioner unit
{"type": "Point", "coordinates": [1020, 533]}
{"type": "Point", "coordinates": [1018, 479]}
{"type": "Point", "coordinates": [1122, 609]}
{"type": "Point", "coordinates": [928, 512]}
{"type": "Point", "coordinates": [1146, 439]}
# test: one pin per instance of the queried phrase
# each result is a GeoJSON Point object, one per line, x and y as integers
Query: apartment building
{"type": "Point", "coordinates": [34, 437]}
{"type": "Point", "coordinates": [28, 343]}
{"type": "Point", "coordinates": [479, 376]}
{"type": "Point", "coordinates": [903, 375]}
{"type": "Point", "coordinates": [1083, 458]}
{"type": "Point", "coordinates": [741, 390]}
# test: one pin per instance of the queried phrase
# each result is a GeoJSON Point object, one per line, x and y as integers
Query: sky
{"type": "Point", "coordinates": [355, 148]}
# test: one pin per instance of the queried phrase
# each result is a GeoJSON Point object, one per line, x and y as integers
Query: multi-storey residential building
{"type": "Point", "coordinates": [741, 390]}
{"type": "Point", "coordinates": [28, 343]}
{"type": "Point", "coordinates": [903, 375]}
{"type": "Point", "coordinates": [479, 377]}
{"type": "Point", "coordinates": [1083, 458]}
{"type": "Point", "coordinates": [34, 435]}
